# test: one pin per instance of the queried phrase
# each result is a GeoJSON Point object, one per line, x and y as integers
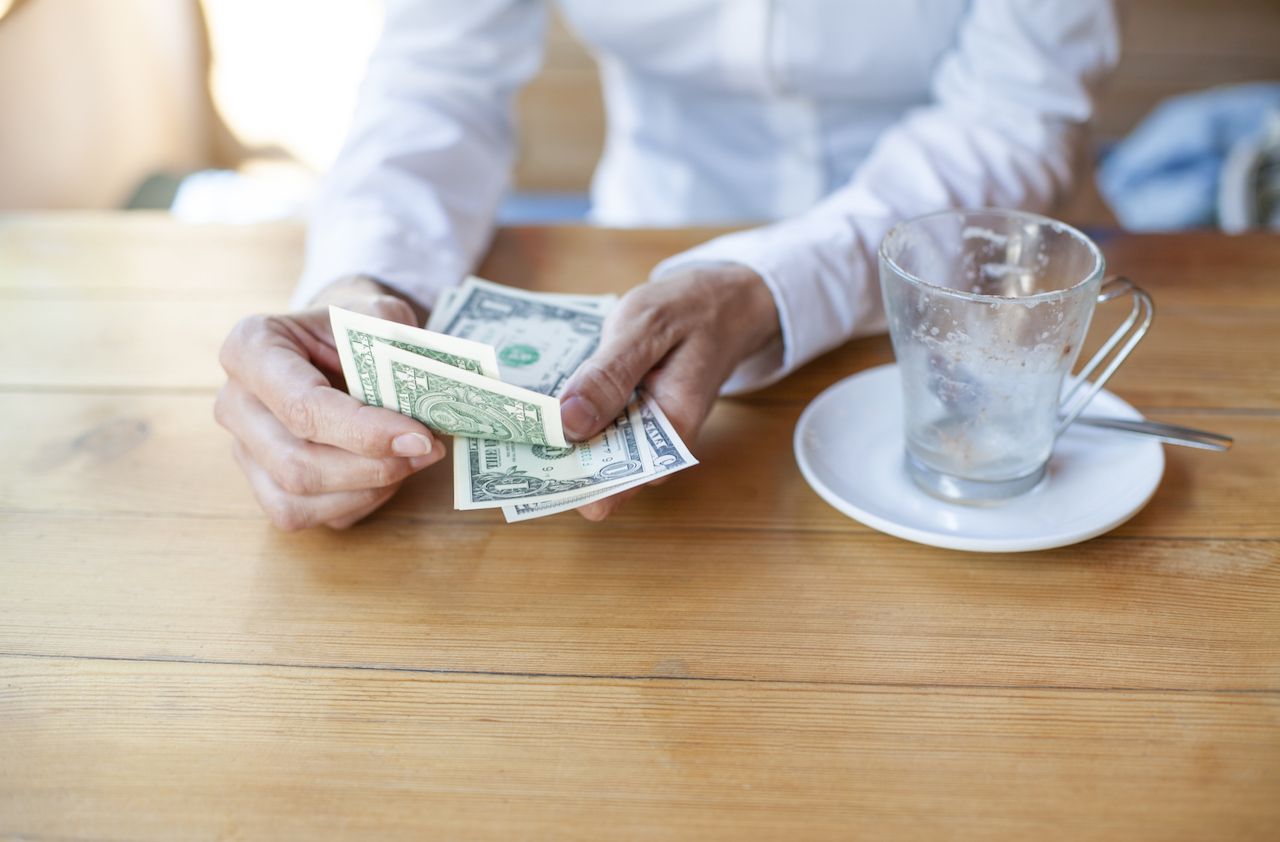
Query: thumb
{"type": "Point", "coordinates": [602, 386]}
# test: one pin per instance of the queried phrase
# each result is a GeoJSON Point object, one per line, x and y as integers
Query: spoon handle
{"type": "Point", "coordinates": [1170, 433]}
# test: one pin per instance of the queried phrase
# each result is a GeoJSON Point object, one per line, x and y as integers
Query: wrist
{"type": "Point", "coordinates": [756, 318]}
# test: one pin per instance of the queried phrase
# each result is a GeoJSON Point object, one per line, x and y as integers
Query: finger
{"type": "Point", "coordinates": [686, 387]}
{"type": "Point", "coordinates": [292, 512]}
{"type": "Point", "coordinates": [312, 330]}
{"type": "Point", "coordinates": [350, 520]}
{"type": "Point", "coordinates": [301, 467]}
{"type": "Point", "coordinates": [635, 340]}
{"type": "Point", "coordinates": [266, 357]}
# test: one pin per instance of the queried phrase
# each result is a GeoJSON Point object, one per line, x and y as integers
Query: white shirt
{"type": "Point", "coordinates": [837, 118]}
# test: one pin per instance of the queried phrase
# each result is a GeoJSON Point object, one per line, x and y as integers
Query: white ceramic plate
{"type": "Point", "coordinates": [849, 444]}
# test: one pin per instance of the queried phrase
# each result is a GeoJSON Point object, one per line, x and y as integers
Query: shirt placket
{"type": "Point", "coordinates": [744, 44]}
{"type": "Point", "coordinates": [753, 52]}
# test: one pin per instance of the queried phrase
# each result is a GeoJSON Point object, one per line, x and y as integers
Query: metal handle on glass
{"type": "Point", "coordinates": [1113, 352]}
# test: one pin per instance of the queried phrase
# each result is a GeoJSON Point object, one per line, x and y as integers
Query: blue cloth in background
{"type": "Point", "coordinates": [544, 208]}
{"type": "Point", "coordinates": [1164, 175]}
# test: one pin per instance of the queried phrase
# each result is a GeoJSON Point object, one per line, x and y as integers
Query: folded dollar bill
{"type": "Point", "coordinates": [449, 383]}
{"type": "Point", "coordinates": [357, 335]}
{"type": "Point", "coordinates": [462, 403]}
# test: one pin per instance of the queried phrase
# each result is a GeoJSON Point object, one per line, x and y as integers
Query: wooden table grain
{"type": "Point", "coordinates": [727, 658]}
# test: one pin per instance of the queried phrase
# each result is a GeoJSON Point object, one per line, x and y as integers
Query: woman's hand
{"type": "Point", "coordinates": [681, 338]}
{"type": "Point", "coordinates": [314, 454]}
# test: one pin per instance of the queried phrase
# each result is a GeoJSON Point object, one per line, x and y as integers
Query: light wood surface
{"type": "Point", "coordinates": [727, 658]}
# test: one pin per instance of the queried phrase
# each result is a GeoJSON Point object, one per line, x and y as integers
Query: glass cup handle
{"type": "Point", "coordinates": [1113, 352]}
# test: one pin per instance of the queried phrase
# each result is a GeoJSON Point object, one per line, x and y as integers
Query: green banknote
{"type": "Point", "coordinates": [667, 452]}
{"type": "Point", "coordinates": [540, 338]}
{"type": "Point", "coordinates": [489, 473]}
{"type": "Point", "coordinates": [358, 335]}
{"type": "Point", "coordinates": [462, 403]}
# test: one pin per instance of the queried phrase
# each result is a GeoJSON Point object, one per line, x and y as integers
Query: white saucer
{"type": "Point", "coordinates": [849, 447]}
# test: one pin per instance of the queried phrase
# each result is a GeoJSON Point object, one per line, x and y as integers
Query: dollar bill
{"type": "Point", "coordinates": [540, 340]}
{"type": "Point", "coordinates": [668, 455]}
{"type": "Point", "coordinates": [446, 304]}
{"type": "Point", "coordinates": [490, 473]}
{"type": "Point", "coordinates": [357, 336]}
{"type": "Point", "coordinates": [599, 303]}
{"type": "Point", "coordinates": [463, 403]}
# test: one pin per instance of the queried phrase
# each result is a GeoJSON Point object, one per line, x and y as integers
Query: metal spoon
{"type": "Point", "coordinates": [1169, 433]}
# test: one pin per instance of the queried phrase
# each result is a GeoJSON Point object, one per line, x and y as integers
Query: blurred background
{"type": "Point", "coordinates": [228, 110]}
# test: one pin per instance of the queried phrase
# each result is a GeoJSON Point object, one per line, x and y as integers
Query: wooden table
{"type": "Point", "coordinates": [728, 658]}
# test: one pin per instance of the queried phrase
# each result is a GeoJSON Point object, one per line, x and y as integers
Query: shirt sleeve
{"type": "Point", "coordinates": [411, 199]}
{"type": "Point", "coordinates": [1008, 106]}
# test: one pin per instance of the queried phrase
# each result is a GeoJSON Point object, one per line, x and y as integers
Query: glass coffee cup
{"type": "Point", "coordinates": [987, 311]}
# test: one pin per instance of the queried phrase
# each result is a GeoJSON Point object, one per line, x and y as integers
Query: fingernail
{"type": "Point", "coordinates": [579, 417]}
{"type": "Point", "coordinates": [411, 444]}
